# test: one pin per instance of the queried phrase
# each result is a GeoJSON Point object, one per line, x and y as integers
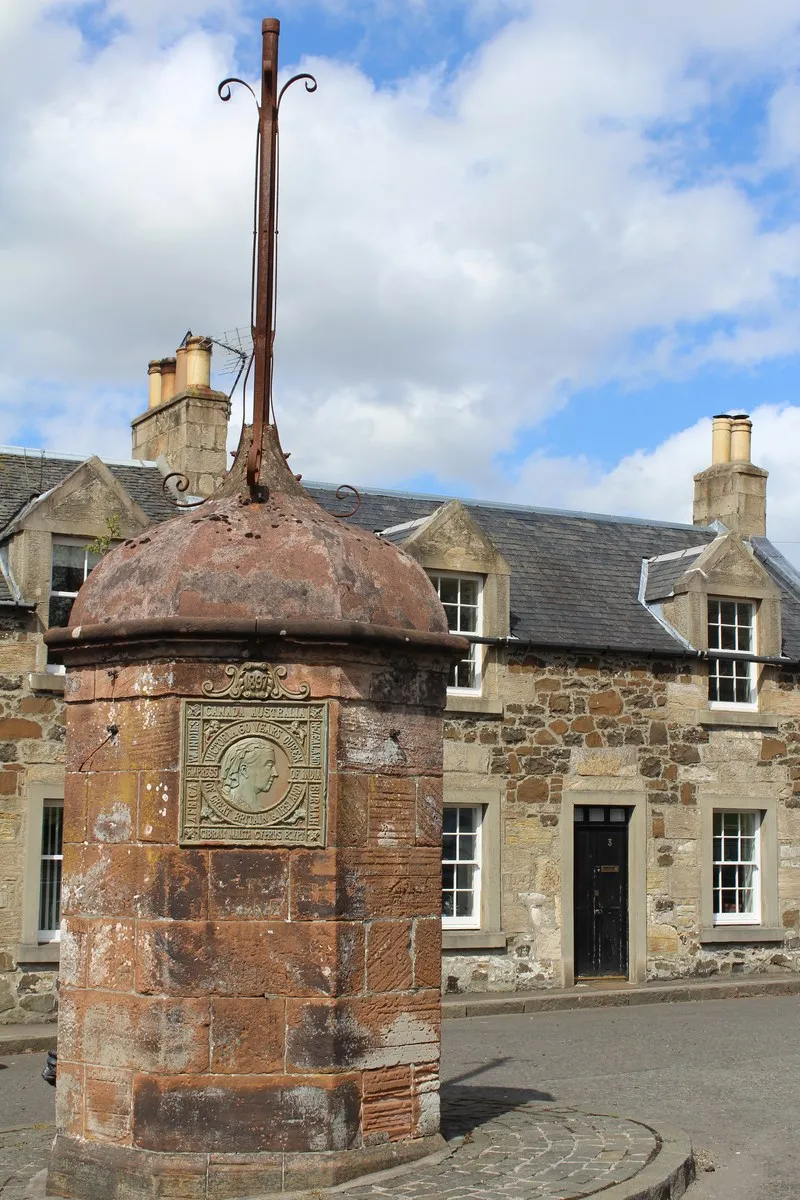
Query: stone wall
{"type": "Point", "coordinates": [575, 727]}
{"type": "Point", "coordinates": [32, 725]}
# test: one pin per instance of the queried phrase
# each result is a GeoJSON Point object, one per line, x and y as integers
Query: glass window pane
{"type": "Point", "coordinates": [748, 823]}
{"type": "Point", "coordinates": [58, 611]}
{"type": "Point", "coordinates": [448, 590]}
{"type": "Point", "coordinates": [449, 847]}
{"type": "Point", "coordinates": [728, 638]}
{"type": "Point", "coordinates": [578, 814]}
{"type": "Point", "coordinates": [597, 814]}
{"type": "Point", "coordinates": [728, 901]}
{"type": "Point", "coordinates": [68, 567]}
{"type": "Point", "coordinates": [466, 819]}
{"type": "Point", "coordinates": [466, 848]}
{"type": "Point", "coordinates": [447, 904]}
{"type": "Point", "coordinates": [448, 876]}
{"type": "Point", "coordinates": [727, 610]}
{"type": "Point", "coordinates": [91, 561]}
{"type": "Point", "coordinates": [463, 904]}
{"type": "Point", "coordinates": [464, 875]}
{"type": "Point", "coordinates": [451, 612]}
{"type": "Point", "coordinates": [469, 620]}
{"type": "Point", "coordinates": [450, 820]}
{"type": "Point", "coordinates": [469, 592]}
{"type": "Point", "coordinates": [730, 823]}
{"type": "Point", "coordinates": [617, 814]}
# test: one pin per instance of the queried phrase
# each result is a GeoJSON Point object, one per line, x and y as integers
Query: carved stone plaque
{"type": "Point", "coordinates": [253, 763]}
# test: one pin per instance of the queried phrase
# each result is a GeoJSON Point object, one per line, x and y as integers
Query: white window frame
{"type": "Point", "coordinates": [79, 544]}
{"type": "Point", "coordinates": [50, 934]}
{"type": "Point", "coordinates": [33, 948]}
{"type": "Point", "coordinates": [751, 667]}
{"type": "Point", "coordinates": [474, 921]}
{"type": "Point", "coordinates": [754, 917]}
{"type": "Point", "coordinates": [476, 649]}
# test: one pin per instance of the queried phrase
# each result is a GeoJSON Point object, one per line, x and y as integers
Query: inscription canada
{"type": "Point", "coordinates": [253, 771]}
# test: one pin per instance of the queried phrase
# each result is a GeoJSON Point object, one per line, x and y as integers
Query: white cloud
{"type": "Point", "coordinates": [457, 253]}
{"type": "Point", "coordinates": [658, 483]}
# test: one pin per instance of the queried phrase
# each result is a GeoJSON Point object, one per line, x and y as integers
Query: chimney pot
{"type": "Point", "coordinates": [167, 379]}
{"type": "Point", "coordinates": [741, 431]}
{"type": "Point", "coordinates": [721, 438]}
{"type": "Point", "coordinates": [180, 370]}
{"type": "Point", "coordinates": [198, 362]}
{"type": "Point", "coordinates": [154, 381]}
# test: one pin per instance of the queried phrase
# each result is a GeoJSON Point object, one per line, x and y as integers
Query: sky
{"type": "Point", "coordinates": [527, 247]}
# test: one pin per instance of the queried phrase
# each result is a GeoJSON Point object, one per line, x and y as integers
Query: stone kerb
{"type": "Point", "coordinates": [249, 1017]}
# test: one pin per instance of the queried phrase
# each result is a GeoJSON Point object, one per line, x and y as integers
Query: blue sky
{"type": "Point", "coordinates": [528, 246]}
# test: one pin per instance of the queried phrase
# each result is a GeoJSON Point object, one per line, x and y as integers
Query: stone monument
{"type": "Point", "coordinates": [250, 964]}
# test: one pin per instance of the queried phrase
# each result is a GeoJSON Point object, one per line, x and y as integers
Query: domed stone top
{"type": "Point", "coordinates": [284, 559]}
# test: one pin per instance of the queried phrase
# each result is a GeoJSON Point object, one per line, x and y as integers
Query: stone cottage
{"type": "Point", "coordinates": [622, 743]}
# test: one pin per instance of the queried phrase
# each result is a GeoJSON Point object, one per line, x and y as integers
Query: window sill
{"type": "Point", "coordinates": [47, 952]}
{"type": "Point", "coordinates": [472, 939]}
{"type": "Point", "coordinates": [746, 719]}
{"type": "Point", "coordinates": [742, 933]}
{"type": "Point", "coordinates": [489, 706]}
{"type": "Point", "coordinates": [43, 681]}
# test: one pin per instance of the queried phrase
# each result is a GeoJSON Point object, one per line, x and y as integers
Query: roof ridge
{"type": "Point", "coordinates": [510, 507]}
{"type": "Point", "coordinates": [67, 456]}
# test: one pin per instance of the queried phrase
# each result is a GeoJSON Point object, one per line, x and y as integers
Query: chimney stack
{"type": "Point", "coordinates": [732, 490]}
{"type": "Point", "coordinates": [185, 426]}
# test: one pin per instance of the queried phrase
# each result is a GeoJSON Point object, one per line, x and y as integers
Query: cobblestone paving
{"type": "Point", "coordinates": [503, 1150]}
{"type": "Point", "coordinates": [529, 1151]}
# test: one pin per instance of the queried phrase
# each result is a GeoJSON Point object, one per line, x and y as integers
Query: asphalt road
{"type": "Point", "coordinates": [725, 1071]}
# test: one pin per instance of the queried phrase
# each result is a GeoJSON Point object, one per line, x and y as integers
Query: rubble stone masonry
{"type": "Point", "coordinates": [32, 728]}
{"type": "Point", "coordinates": [576, 727]}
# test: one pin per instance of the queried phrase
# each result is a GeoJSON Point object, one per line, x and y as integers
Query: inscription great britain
{"type": "Point", "coordinates": [253, 771]}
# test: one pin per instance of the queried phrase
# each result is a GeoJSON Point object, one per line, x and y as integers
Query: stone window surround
{"type": "Point", "coordinates": [753, 673]}
{"type": "Point", "coordinates": [637, 877]}
{"type": "Point", "coordinates": [30, 949]}
{"type": "Point", "coordinates": [459, 694]}
{"type": "Point", "coordinates": [490, 935]}
{"type": "Point", "coordinates": [769, 928]}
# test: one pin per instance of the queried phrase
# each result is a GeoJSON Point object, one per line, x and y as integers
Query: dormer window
{"type": "Point", "coordinates": [731, 628]}
{"type": "Point", "coordinates": [461, 597]}
{"type": "Point", "coordinates": [72, 562]}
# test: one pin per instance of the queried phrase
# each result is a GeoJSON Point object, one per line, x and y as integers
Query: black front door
{"type": "Point", "coordinates": [601, 891]}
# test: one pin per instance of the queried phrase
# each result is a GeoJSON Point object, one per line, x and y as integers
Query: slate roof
{"type": "Point", "coordinates": [575, 577]}
{"type": "Point", "coordinates": [664, 571]}
{"type": "Point", "coordinates": [25, 474]}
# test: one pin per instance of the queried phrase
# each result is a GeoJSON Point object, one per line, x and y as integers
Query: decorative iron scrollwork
{"type": "Point", "coordinates": [340, 493]}
{"type": "Point", "coordinates": [311, 85]}
{"type": "Point", "coordinates": [182, 485]}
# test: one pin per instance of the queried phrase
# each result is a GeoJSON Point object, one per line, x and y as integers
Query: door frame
{"type": "Point", "coordinates": [637, 878]}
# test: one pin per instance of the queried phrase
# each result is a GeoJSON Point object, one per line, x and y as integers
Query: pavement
{"type": "Point", "coordinates": [501, 1145]}
{"type": "Point", "coordinates": [727, 1072]}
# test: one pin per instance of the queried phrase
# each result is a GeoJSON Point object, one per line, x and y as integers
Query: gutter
{"type": "Point", "coordinates": [682, 650]}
